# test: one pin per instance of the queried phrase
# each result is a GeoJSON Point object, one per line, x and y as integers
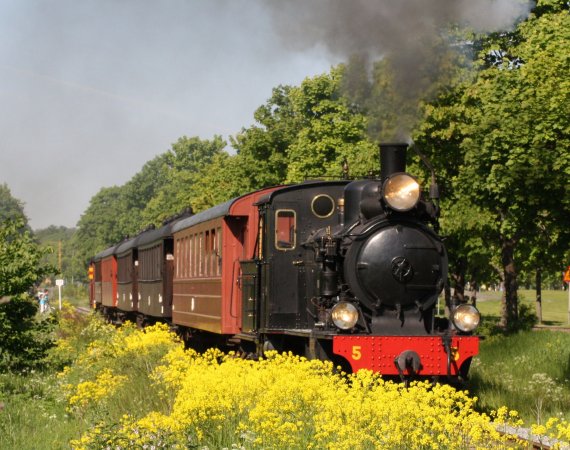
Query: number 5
{"type": "Point", "coordinates": [356, 352]}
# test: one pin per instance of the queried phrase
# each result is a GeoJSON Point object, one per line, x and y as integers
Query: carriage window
{"type": "Point", "coordinates": [285, 229]}
{"type": "Point", "coordinates": [219, 250]}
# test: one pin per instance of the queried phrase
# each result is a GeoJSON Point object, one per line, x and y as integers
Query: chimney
{"type": "Point", "coordinates": [392, 159]}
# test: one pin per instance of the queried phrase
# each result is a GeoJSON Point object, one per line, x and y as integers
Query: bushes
{"type": "Point", "coordinates": [24, 339]}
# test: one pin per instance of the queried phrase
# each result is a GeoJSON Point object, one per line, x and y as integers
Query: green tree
{"type": "Point", "coordinates": [23, 339]}
{"type": "Point", "coordinates": [10, 207]}
{"type": "Point", "coordinates": [512, 130]}
{"type": "Point", "coordinates": [262, 149]}
{"type": "Point", "coordinates": [304, 131]}
{"type": "Point", "coordinates": [220, 181]}
{"type": "Point", "coordinates": [20, 259]}
{"type": "Point", "coordinates": [100, 225]}
{"type": "Point", "coordinates": [182, 166]}
{"type": "Point", "coordinates": [139, 191]}
{"type": "Point", "coordinates": [466, 224]}
{"type": "Point", "coordinates": [58, 239]}
{"type": "Point", "coordinates": [331, 133]}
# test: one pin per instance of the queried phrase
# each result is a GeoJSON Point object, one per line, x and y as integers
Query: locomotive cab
{"type": "Point", "coordinates": [289, 216]}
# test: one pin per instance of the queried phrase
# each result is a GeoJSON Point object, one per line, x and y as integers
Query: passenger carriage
{"type": "Point", "coordinates": [208, 249]}
{"type": "Point", "coordinates": [156, 262]}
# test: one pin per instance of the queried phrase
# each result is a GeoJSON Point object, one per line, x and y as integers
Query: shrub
{"type": "Point", "coordinates": [24, 338]}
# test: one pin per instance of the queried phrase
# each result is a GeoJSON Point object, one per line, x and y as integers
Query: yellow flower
{"type": "Point", "coordinates": [88, 392]}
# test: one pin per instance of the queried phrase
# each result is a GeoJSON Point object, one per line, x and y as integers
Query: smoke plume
{"type": "Point", "coordinates": [408, 33]}
{"type": "Point", "coordinates": [386, 27]}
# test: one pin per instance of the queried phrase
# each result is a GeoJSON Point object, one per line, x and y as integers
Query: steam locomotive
{"type": "Point", "coordinates": [347, 271]}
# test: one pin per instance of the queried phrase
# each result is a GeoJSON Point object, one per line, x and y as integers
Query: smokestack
{"type": "Point", "coordinates": [392, 159]}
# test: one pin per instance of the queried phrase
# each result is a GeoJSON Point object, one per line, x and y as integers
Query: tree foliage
{"type": "Point", "coordinates": [20, 259]}
{"type": "Point", "coordinates": [10, 207]}
{"type": "Point", "coordinates": [262, 149]}
{"type": "Point", "coordinates": [100, 225]}
{"type": "Point", "coordinates": [23, 341]}
{"type": "Point", "coordinates": [139, 191]}
{"type": "Point", "coordinates": [330, 134]}
{"type": "Point", "coordinates": [64, 257]}
{"type": "Point", "coordinates": [182, 167]}
{"type": "Point", "coordinates": [511, 128]}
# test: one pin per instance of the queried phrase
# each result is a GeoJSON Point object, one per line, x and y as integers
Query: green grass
{"type": "Point", "coordinates": [554, 305]}
{"type": "Point", "coordinates": [528, 372]}
{"type": "Point", "coordinates": [33, 416]}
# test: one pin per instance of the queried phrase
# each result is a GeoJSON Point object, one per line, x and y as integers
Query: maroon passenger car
{"type": "Point", "coordinates": [208, 248]}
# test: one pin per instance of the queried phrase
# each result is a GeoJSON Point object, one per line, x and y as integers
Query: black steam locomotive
{"type": "Point", "coordinates": [345, 271]}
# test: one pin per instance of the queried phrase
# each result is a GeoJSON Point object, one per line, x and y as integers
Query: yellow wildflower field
{"type": "Point", "coordinates": [143, 389]}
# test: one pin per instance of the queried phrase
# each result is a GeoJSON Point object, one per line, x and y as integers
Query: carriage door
{"type": "Point", "coordinates": [250, 271]}
{"type": "Point", "coordinates": [168, 275]}
{"type": "Point", "coordinates": [283, 255]}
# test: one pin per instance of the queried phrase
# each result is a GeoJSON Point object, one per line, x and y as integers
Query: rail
{"type": "Point", "coordinates": [534, 441]}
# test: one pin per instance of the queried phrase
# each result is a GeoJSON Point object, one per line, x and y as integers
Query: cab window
{"type": "Point", "coordinates": [285, 229]}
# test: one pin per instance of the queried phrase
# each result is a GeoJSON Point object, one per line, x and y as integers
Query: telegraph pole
{"type": "Point", "coordinates": [59, 257]}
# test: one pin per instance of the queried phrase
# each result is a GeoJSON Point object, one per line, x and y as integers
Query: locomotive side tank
{"type": "Point", "coordinates": [289, 217]}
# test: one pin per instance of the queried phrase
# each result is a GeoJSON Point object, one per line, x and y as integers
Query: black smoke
{"type": "Point", "coordinates": [411, 34]}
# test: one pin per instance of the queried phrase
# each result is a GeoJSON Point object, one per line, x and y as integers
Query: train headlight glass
{"type": "Point", "coordinates": [466, 318]}
{"type": "Point", "coordinates": [344, 315]}
{"type": "Point", "coordinates": [401, 192]}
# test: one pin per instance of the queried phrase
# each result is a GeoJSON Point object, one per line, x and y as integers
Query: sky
{"type": "Point", "coordinates": [90, 90]}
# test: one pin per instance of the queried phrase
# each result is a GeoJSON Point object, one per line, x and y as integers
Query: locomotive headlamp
{"type": "Point", "coordinates": [466, 318]}
{"type": "Point", "coordinates": [401, 192]}
{"type": "Point", "coordinates": [344, 315]}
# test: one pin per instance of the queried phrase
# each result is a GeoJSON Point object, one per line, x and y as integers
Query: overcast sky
{"type": "Point", "coordinates": [90, 90]}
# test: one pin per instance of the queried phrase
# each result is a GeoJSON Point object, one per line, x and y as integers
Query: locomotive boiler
{"type": "Point", "coordinates": [347, 271]}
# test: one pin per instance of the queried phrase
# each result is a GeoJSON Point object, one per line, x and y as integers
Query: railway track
{"type": "Point", "coordinates": [534, 442]}
{"type": "Point", "coordinates": [83, 309]}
